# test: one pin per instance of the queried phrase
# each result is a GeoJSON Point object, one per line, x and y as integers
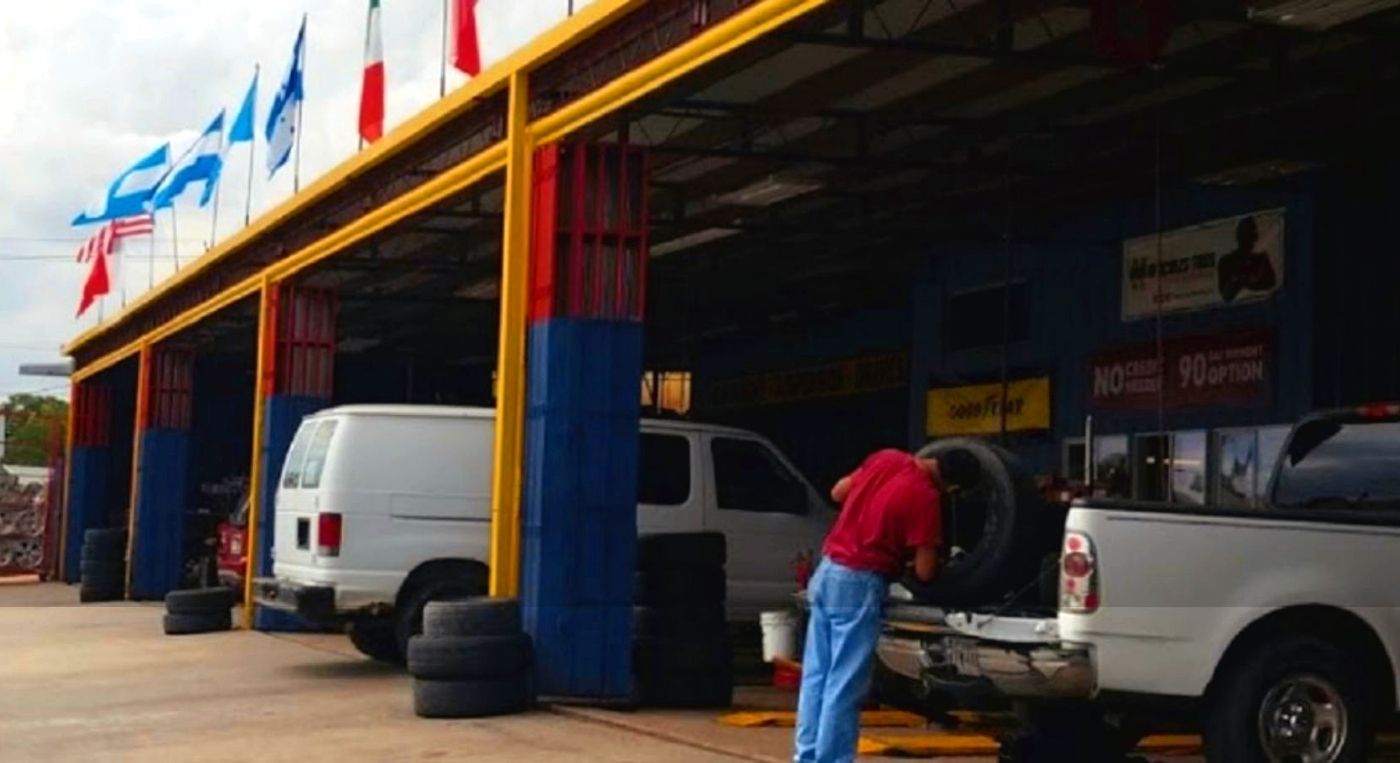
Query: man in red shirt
{"type": "Point", "coordinates": [889, 514]}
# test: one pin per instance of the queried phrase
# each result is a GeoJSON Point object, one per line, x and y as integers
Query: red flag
{"type": "Point", "coordinates": [372, 87]}
{"type": "Point", "coordinates": [466, 46]}
{"type": "Point", "coordinates": [97, 284]}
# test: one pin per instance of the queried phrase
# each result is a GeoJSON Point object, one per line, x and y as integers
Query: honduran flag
{"type": "Point", "coordinates": [372, 87]}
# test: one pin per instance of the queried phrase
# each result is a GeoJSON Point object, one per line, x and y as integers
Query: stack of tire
{"type": "Point", "coordinates": [471, 661]}
{"type": "Point", "coordinates": [199, 610]}
{"type": "Point", "coordinates": [681, 655]}
{"type": "Point", "coordinates": [103, 566]}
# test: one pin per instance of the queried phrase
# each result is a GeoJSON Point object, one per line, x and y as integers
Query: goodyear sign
{"type": "Point", "coordinates": [976, 408]}
{"type": "Point", "coordinates": [847, 377]}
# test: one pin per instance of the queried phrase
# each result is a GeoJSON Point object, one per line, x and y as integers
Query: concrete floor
{"type": "Point", "coordinates": [101, 682]}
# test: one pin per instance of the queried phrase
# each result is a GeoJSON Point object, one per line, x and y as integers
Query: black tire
{"type": "Point", "coordinates": [701, 621]}
{"type": "Point", "coordinates": [1234, 728]}
{"type": "Point", "coordinates": [470, 699]}
{"type": "Point", "coordinates": [680, 586]}
{"type": "Point", "coordinates": [375, 639]}
{"type": "Point", "coordinates": [687, 689]}
{"type": "Point", "coordinates": [207, 622]}
{"type": "Point", "coordinates": [660, 656]}
{"type": "Point", "coordinates": [659, 552]}
{"type": "Point", "coordinates": [105, 539]}
{"type": "Point", "coordinates": [481, 616]}
{"type": "Point", "coordinates": [995, 507]}
{"type": "Point", "coordinates": [91, 595]}
{"type": "Point", "coordinates": [102, 567]}
{"type": "Point", "coordinates": [457, 658]}
{"type": "Point", "coordinates": [444, 586]}
{"type": "Point", "coordinates": [199, 601]}
{"type": "Point", "coordinates": [99, 555]}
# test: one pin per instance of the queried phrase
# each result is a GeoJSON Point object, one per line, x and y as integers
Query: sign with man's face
{"type": "Point", "coordinates": [1219, 263]}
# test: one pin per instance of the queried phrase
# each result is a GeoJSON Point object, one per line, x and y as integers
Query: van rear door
{"type": "Point", "coordinates": [295, 508]}
{"type": "Point", "coordinates": [670, 487]}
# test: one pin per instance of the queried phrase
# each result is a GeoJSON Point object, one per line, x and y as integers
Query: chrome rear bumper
{"type": "Point", "coordinates": [949, 662]}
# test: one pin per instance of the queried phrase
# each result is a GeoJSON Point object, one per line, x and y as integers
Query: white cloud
{"type": "Point", "coordinates": [93, 85]}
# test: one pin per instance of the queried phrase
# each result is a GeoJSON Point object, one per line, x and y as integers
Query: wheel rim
{"type": "Point", "coordinates": [1303, 720]}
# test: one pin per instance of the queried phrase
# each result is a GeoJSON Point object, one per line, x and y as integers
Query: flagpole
{"type": "Point", "coordinates": [296, 166]}
{"type": "Point", "coordinates": [151, 275]}
{"type": "Point", "coordinates": [442, 71]}
{"type": "Point", "coordinates": [214, 216]}
{"type": "Point", "coordinates": [175, 237]}
{"type": "Point", "coordinates": [252, 148]}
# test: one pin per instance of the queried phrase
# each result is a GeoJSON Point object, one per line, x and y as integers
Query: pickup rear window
{"type": "Point", "coordinates": [1335, 464]}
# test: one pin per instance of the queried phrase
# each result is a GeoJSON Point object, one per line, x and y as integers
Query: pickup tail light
{"type": "Point", "coordinates": [1079, 575]}
{"type": "Point", "coordinates": [1379, 410]}
{"type": "Point", "coordinates": [328, 534]}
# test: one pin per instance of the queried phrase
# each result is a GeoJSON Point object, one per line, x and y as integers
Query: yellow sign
{"type": "Point", "coordinates": [845, 377]}
{"type": "Point", "coordinates": [976, 409]}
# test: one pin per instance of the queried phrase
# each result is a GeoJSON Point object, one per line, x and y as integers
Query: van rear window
{"type": "Point", "coordinates": [291, 470]}
{"type": "Point", "coordinates": [316, 455]}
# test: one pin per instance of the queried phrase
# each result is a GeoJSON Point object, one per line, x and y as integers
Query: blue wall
{"type": "Point", "coordinates": [1074, 278]}
{"type": "Point", "coordinates": [158, 551]}
{"type": "Point", "coordinates": [826, 437]}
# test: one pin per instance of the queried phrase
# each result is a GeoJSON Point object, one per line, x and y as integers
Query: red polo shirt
{"type": "Point", "coordinates": [892, 509]}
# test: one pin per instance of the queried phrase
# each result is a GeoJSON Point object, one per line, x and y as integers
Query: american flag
{"type": "Point", "coordinates": [100, 245]}
{"type": "Point", "coordinates": [136, 225]}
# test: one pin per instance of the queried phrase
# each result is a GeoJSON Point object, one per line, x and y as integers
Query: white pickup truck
{"type": "Point", "coordinates": [1276, 629]}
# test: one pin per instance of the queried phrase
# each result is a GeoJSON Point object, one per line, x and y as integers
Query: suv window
{"type": "Point", "coordinates": [291, 470]}
{"type": "Point", "coordinates": [1331, 464]}
{"type": "Point", "coordinates": [749, 477]}
{"type": "Point", "coordinates": [316, 455]}
{"type": "Point", "coordinates": [663, 470]}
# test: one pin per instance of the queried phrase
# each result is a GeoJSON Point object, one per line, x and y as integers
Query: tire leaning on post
{"type": "Point", "coordinates": [471, 661]}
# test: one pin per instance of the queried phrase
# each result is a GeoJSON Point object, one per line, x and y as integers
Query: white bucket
{"type": "Point", "coordinates": [779, 635]}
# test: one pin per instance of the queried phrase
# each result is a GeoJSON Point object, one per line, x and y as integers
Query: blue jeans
{"type": "Point", "coordinates": [844, 624]}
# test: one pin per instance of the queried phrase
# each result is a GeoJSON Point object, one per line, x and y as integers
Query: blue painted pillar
{"type": "Point", "coordinates": [581, 427]}
{"type": "Point", "coordinates": [163, 475]}
{"type": "Point", "coordinates": [89, 469]}
{"type": "Point", "coordinates": [299, 368]}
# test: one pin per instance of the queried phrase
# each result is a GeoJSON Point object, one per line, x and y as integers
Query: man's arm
{"type": "Point", "coordinates": [842, 488]}
{"type": "Point", "coordinates": [925, 562]}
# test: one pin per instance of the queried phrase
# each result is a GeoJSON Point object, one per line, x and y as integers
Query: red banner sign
{"type": "Point", "coordinates": [1214, 369]}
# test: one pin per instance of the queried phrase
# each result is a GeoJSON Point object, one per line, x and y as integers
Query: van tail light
{"type": "Point", "coordinates": [1079, 575]}
{"type": "Point", "coordinates": [328, 532]}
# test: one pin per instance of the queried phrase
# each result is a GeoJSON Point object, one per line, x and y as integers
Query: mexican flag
{"type": "Point", "coordinates": [372, 88]}
{"type": "Point", "coordinates": [466, 47]}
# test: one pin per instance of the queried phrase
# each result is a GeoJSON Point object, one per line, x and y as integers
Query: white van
{"type": "Point", "coordinates": [381, 508]}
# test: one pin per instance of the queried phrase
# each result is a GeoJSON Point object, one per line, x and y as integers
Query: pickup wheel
{"type": "Point", "coordinates": [1299, 699]}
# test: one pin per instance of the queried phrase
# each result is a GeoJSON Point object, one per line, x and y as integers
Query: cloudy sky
{"type": "Point", "coordinates": [90, 86]}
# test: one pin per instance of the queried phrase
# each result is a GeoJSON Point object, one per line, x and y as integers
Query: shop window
{"type": "Point", "coordinates": [986, 317]}
{"type": "Point", "coordinates": [1244, 464]}
{"type": "Point", "coordinates": [749, 477]}
{"type": "Point", "coordinates": [1237, 482]}
{"type": "Point", "coordinates": [1188, 468]}
{"type": "Point", "coordinates": [1072, 460]}
{"type": "Point", "coordinates": [666, 391]}
{"type": "Point", "coordinates": [1112, 476]}
{"type": "Point", "coordinates": [663, 470]}
{"type": "Point", "coordinates": [1151, 467]}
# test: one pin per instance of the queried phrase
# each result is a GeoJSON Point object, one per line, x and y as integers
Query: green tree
{"type": "Point", "coordinates": [30, 423]}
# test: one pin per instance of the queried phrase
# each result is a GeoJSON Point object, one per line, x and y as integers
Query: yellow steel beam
{"type": "Point", "coordinates": [510, 362]}
{"type": "Point", "coordinates": [541, 50]}
{"type": "Point", "coordinates": [740, 29]}
{"type": "Point", "coordinates": [67, 484]}
{"type": "Point", "coordinates": [143, 390]}
{"type": "Point", "coordinates": [262, 367]}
